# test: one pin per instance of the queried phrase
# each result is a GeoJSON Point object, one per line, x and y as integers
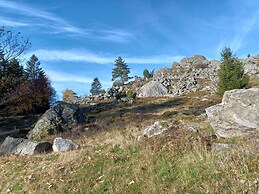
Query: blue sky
{"type": "Point", "coordinates": [79, 40]}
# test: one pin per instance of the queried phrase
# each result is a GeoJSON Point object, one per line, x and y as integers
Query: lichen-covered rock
{"type": "Point", "coordinates": [157, 128]}
{"type": "Point", "coordinates": [60, 117]}
{"type": "Point", "coordinates": [238, 114]}
{"type": "Point", "coordinates": [61, 145]}
{"type": "Point", "coordinates": [153, 89]}
{"type": "Point", "coordinates": [21, 146]}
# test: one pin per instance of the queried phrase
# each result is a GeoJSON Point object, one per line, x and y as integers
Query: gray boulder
{"type": "Point", "coordinates": [218, 147]}
{"type": "Point", "coordinates": [61, 145]}
{"type": "Point", "coordinates": [238, 114]}
{"type": "Point", "coordinates": [251, 65]}
{"type": "Point", "coordinates": [156, 129]}
{"type": "Point", "coordinates": [21, 146]}
{"type": "Point", "coordinates": [153, 89]}
{"type": "Point", "coordinates": [60, 117]}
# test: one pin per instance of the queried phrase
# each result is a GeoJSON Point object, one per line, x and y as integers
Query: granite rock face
{"type": "Point", "coordinates": [60, 117]}
{"type": "Point", "coordinates": [21, 146]}
{"type": "Point", "coordinates": [238, 114]}
{"type": "Point", "coordinates": [61, 145]}
{"type": "Point", "coordinates": [153, 89]}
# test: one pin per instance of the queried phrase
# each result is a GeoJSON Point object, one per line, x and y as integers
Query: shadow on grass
{"type": "Point", "coordinates": [104, 110]}
{"type": "Point", "coordinates": [153, 107]}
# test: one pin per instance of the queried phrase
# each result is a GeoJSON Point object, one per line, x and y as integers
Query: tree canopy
{"type": "Point", "coordinates": [148, 74]}
{"type": "Point", "coordinates": [120, 74]}
{"type": "Point", "coordinates": [22, 91]}
{"type": "Point", "coordinates": [231, 74]}
{"type": "Point", "coordinates": [96, 87]}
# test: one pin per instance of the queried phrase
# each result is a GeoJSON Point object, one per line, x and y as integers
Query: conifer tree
{"type": "Point", "coordinates": [96, 87]}
{"type": "Point", "coordinates": [148, 74]}
{"type": "Point", "coordinates": [33, 69]}
{"type": "Point", "coordinates": [231, 74]}
{"type": "Point", "coordinates": [120, 74]}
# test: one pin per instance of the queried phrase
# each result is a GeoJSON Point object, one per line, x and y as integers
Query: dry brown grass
{"type": "Point", "coordinates": [112, 160]}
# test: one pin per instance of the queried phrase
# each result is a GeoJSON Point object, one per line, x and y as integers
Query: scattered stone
{"type": "Point", "coordinates": [21, 146]}
{"type": "Point", "coordinates": [153, 89]}
{"type": "Point", "coordinates": [60, 117]}
{"type": "Point", "coordinates": [157, 128]}
{"type": "Point", "coordinates": [192, 128]}
{"type": "Point", "coordinates": [237, 115]}
{"type": "Point", "coordinates": [217, 147]}
{"type": "Point", "coordinates": [127, 100]}
{"type": "Point", "coordinates": [61, 145]}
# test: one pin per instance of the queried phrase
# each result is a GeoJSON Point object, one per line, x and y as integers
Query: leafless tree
{"type": "Point", "coordinates": [12, 44]}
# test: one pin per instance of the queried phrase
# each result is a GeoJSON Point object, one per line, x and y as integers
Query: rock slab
{"type": "Point", "coordinates": [237, 115]}
{"type": "Point", "coordinates": [21, 146]}
{"type": "Point", "coordinates": [61, 145]}
{"type": "Point", "coordinates": [153, 89]}
{"type": "Point", "coordinates": [60, 117]}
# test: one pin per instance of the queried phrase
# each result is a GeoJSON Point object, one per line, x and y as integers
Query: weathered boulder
{"type": "Point", "coordinates": [21, 146]}
{"type": "Point", "coordinates": [157, 128]}
{"type": "Point", "coordinates": [251, 65]}
{"type": "Point", "coordinates": [194, 61]}
{"type": "Point", "coordinates": [153, 89]}
{"type": "Point", "coordinates": [238, 114]}
{"type": "Point", "coordinates": [60, 117]}
{"type": "Point", "coordinates": [61, 145]}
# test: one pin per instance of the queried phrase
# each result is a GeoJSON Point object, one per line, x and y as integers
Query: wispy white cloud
{"type": "Point", "coordinates": [80, 84]}
{"type": "Point", "coordinates": [56, 25]}
{"type": "Point", "coordinates": [9, 22]}
{"type": "Point", "coordinates": [60, 24]}
{"type": "Point", "coordinates": [85, 56]}
{"type": "Point", "coordinates": [56, 76]}
{"type": "Point", "coordinates": [70, 55]}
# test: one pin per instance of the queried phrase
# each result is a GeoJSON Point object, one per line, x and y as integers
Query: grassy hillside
{"type": "Point", "coordinates": [112, 160]}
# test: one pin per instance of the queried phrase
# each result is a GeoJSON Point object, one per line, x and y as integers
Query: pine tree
{"type": "Point", "coordinates": [38, 86]}
{"type": "Point", "coordinates": [231, 74]}
{"type": "Point", "coordinates": [33, 69]}
{"type": "Point", "coordinates": [120, 74]}
{"type": "Point", "coordinates": [148, 74]}
{"type": "Point", "coordinates": [96, 87]}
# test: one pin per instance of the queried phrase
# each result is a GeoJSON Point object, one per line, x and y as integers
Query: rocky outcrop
{"type": "Point", "coordinates": [21, 146]}
{"type": "Point", "coordinates": [196, 60]}
{"type": "Point", "coordinates": [238, 114]}
{"type": "Point", "coordinates": [60, 117]}
{"type": "Point", "coordinates": [61, 145]}
{"type": "Point", "coordinates": [157, 128]}
{"type": "Point", "coordinates": [153, 89]}
{"type": "Point", "coordinates": [191, 74]}
{"type": "Point", "coordinates": [251, 65]}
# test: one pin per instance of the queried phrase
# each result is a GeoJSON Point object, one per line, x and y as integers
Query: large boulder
{"type": "Point", "coordinates": [21, 146]}
{"type": "Point", "coordinates": [61, 145]}
{"type": "Point", "coordinates": [238, 114]}
{"type": "Point", "coordinates": [153, 89]}
{"type": "Point", "coordinates": [60, 117]}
